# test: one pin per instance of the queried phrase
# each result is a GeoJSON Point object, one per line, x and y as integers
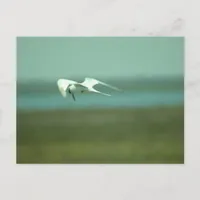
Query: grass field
{"type": "Point", "coordinates": [148, 135]}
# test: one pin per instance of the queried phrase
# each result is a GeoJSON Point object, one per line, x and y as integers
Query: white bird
{"type": "Point", "coordinates": [68, 86]}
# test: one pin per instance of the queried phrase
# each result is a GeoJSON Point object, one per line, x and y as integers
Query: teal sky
{"type": "Point", "coordinates": [50, 58]}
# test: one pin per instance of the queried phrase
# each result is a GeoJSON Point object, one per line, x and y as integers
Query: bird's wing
{"type": "Point", "coordinates": [90, 82]}
{"type": "Point", "coordinates": [63, 84]}
{"type": "Point", "coordinates": [96, 91]}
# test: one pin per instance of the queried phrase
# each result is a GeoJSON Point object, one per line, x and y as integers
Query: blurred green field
{"type": "Point", "coordinates": [143, 135]}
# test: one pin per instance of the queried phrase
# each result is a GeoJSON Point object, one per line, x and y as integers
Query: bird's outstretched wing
{"type": "Point", "coordinates": [96, 91]}
{"type": "Point", "coordinates": [63, 84]}
{"type": "Point", "coordinates": [90, 82]}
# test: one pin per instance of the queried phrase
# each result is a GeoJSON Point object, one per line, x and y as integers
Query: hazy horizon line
{"type": "Point", "coordinates": [117, 78]}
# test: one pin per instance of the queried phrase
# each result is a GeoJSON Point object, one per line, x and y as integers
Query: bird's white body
{"type": "Point", "coordinates": [75, 89]}
{"type": "Point", "coordinates": [68, 86]}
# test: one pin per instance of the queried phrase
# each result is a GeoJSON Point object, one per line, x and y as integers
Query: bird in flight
{"type": "Point", "coordinates": [66, 86]}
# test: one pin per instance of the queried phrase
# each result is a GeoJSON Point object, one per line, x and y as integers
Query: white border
{"type": "Point", "coordinates": [95, 18]}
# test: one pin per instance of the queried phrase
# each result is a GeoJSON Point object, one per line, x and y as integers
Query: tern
{"type": "Point", "coordinates": [66, 86]}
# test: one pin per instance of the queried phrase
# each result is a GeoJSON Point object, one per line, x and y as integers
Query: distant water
{"type": "Point", "coordinates": [130, 99]}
